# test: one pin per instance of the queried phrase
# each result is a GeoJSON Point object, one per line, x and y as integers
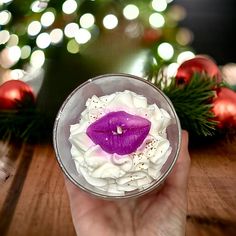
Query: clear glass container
{"type": "Point", "coordinates": [74, 104]}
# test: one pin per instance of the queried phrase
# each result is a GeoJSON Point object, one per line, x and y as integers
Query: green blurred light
{"type": "Point", "coordinates": [73, 46]}
{"type": "Point", "coordinates": [25, 51]}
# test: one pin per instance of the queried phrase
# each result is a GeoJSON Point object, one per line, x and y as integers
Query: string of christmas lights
{"type": "Point", "coordinates": [27, 32]}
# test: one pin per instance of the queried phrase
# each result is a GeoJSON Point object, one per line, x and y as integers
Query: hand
{"type": "Point", "coordinates": [158, 213]}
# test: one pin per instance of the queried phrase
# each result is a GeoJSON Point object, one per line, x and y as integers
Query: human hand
{"type": "Point", "coordinates": [161, 213]}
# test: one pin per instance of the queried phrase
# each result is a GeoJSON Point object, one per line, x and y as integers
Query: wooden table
{"type": "Point", "coordinates": [33, 199]}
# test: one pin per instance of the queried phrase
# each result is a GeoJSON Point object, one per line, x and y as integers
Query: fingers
{"type": "Point", "coordinates": [179, 176]}
{"type": "Point", "coordinates": [70, 187]}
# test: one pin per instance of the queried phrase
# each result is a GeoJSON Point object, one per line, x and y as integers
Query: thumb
{"type": "Point", "coordinates": [179, 176]}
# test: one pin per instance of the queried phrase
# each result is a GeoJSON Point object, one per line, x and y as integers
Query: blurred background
{"type": "Point", "coordinates": [53, 46]}
{"type": "Point", "coordinates": [212, 23]}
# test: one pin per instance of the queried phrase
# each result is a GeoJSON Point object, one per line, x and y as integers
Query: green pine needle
{"type": "Point", "coordinates": [193, 103]}
{"type": "Point", "coordinates": [25, 124]}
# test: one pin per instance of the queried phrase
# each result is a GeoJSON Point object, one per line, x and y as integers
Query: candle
{"type": "Point", "coordinates": [119, 132]}
{"type": "Point", "coordinates": [120, 143]}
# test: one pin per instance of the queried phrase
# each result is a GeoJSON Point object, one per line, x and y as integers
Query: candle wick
{"type": "Point", "coordinates": [119, 130]}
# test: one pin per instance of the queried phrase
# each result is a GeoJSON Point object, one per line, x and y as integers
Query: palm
{"type": "Point", "coordinates": [162, 213]}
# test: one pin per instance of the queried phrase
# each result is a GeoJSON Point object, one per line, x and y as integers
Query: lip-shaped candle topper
{"type": "Point", "coordinates": [119, 132]}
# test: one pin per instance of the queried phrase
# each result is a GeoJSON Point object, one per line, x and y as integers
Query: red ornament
{"type": "Point", "coordinates": [198, 64]}
{"type": "Point", "coordinates": [15, 94]}
{"type": "Point", "coordinates": [224, 107]}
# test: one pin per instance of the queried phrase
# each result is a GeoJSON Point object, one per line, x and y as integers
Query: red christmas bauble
{"type": "Point", "coordinates": [198, 64]}
{"type": "Point", "coordinates": [14, 94]}
{"type": "Point", "coordinates": [224, 107]}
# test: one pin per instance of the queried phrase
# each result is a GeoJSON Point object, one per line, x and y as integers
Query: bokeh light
{"type": "Point", "coordinates": [87, 20]}
{"type": "Point", "coordinates": [177, 12]}
{"type": "Point", "coordinates": [110, 21]}
{"type": "Point", "coordinates": [47, 18]}
{"type": "Point", "coordinates": [229, 73]}
{"type": "Point", "coordinates": [43, 40]}
{"type": "Point", "coordinates": [5, 1]}
{"type": "Point", "coordinates": [156, 20]}
{"type": "Point", "coordinates": [69, 6]}
{"type": "Point", "coordinates": [71, 30]}
{"type": "Point", "coordinates": [131, 12]}
{"type": "Point", "coordinates": [133, 30]}
{"type": "Point", "coordinates": [165, 51]}
{"type": "Point", "coordinates": [184, 36]}
{"type": "Point", "coordinates": [4, 36]}
{"type": "Point", "coordinates": [56, 36]}
{"type": "Point", "coordinates": [17, 74]}
{"type": "Point", "coordinates": [5, 17]}
{"type": "Point", "coordinates": [10, 56]}
{"type": "Point", "coordinates": [159, 5]}
{"type": "Point", "coordinates": [37, 59]}
{"type": "Point", "coordinates": [38, 6]}
{"type": "Point", "coordinates": [14, 53]}
{"type": "Point", "coordinates": [183, 56]}
{"type": "Point", "coordinates": [172, 70]}
{"type": "Point", "coordinates": [83, 36]}
{"type": "Point", "coordinates": [34, 28]}
{"type": "Point", "coordinates": [25, 51]}
{"type": "Point", "coordinates": [13, 40]}
{"type": "Point", "coordinates": [73, 46]}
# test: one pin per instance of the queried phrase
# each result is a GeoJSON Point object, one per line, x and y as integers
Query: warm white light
{"type": "Point", "coordinates": [69, 6]}
{"type": "Point", "coordinates": [87, 20]}
{"type": "Point", "coordinates": [37, 59]}
{"type": "Point", "coordinates": [110, 21]}
{"type": "Point", "coordinates": [131, 12]}
{"type": "Point", "coordinates": [56, 36]}
{"type": "Point", "coordinates": [39, 6]}
{"type": "Point", "coordinates": [13, 40]}
{"type": "Point", "coordinates": [184, 36]}
{"type": "Point", "coordinates": [34, 28]}
{"type": "Point", "coordinates": [133, 30]}
{"type": "Point", "coordinates": [25, 51]}
{"type": "Point", "coordinates": [229, 73]}
{"type": "Point", "coordinates": [47, 18]}
{"type": "Point", "coordinates": [43, 40]}
{"type": "Point", "coordinates": [137, 66]}
{"type": "Point", "coordinates": [9, 56]}
{"type": "Point", "coordinates": [71, 30]}
{"type": "Point", "coordinates": [165, 51]}
{"type": "Point", "coordinates": [4, 36]}
{"type": "Point", "coordinates": [14, 53]}
{"type": "Point", "coordinates": [183, 56]}
{"type": "Point", "coordinates": [17, 74]}
{"type": "Point", "coordinates": [83, 36]}
{"type": "Point", "coordinates": [172, 69]}
{"type": "Point", "coordinates": [5, 17]}
{"type": "Point", "coordinates": [159, 5]}
{"type": "Point", "coordinates": [73, 46]}
{"type": "Point", "coordinates": [156, 20]}
{"type": "Point", "coordinates": [6, 1]}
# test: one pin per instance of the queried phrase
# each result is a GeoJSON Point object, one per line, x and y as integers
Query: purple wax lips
{"type": "Point", "coordinates": [119, 132]}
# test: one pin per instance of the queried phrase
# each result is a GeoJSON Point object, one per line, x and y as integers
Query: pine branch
{"type": "Point", "coordinates": [25, 124]}
{"type": "Point", "coordinates": [192, 102]}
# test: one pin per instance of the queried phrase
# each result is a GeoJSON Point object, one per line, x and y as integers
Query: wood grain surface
{"type": "Point", "coordinates": [34, 202]}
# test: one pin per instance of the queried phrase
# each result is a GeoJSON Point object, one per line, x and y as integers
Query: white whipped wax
{"type": "Point", "coordinates": [111, 172]}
